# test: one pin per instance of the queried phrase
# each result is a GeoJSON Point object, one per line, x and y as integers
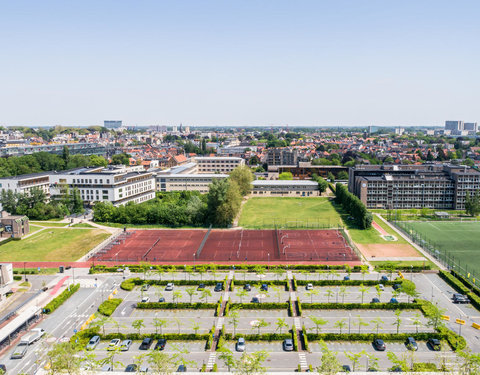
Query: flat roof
{"type": "Point", "coordinates": [194, 175]}
{"type": "Point", "coordinates": [218, 157]}
{"type": "Point", "coordinates": [284, 183]}
{"type": "Point", "coordinates": [26, 176]}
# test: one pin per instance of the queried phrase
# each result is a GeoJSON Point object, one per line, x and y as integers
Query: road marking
{"type": "Point", "coordinates": [211, 360]}
{"type": "Point", "coordinates": [443, 295]}
{"type": "Point", "coordinates": [302, 358]}
{"type": "Point", "coordinates": [296, 322]}
{"type": "Point", "coordinates": [219, 323]}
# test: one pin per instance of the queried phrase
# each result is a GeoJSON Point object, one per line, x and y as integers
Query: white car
{"type": "Point", "coordinates": [146, 299]}
{"type": "Point", "coordinates": [309, 286]}
{"type": "Point", "coordinates": [169, 287]}
{"type": "Point", "coordinates": [114, 344]}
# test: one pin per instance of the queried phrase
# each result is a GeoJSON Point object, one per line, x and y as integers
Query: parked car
{"type": "Point", "coordinates": [379, 345]}
{"type": "Point", "coordinates": [288, 345]}
{"type": "Point", "coordinates": [264, 287]}
{"type": "Point", "coordinates": [161, 299]}
{"type": "Point", "coordinates": [240, 346]}
{"type": "Point", "coordinates": [381, 287]}
{"type": "Point", "coordinates": [371, 369]}
{"type": "Point", "coordinates": [169, 287]}
{"type": "Point", "coordinates": [393, 300]}
{"type": "Point", "coordinates": [3, 368]}
{"type": "Point", "coordinates": [92, 344]}
{"type": "Point", "coordinates": [146, 343]}
{"type": "Point", "coordinates": [145, 287]}
{"type": "Point", "coordinates": [384, 278]}
{"type": "Point", "coordinates": [460, 298]}
{"type": "Point", "coordinates": [411, 344]}
{"type": "Point", "coordinates": [346, 368]}
{"type": "Point", "coordinates": [396, 286]}
{"type": "Point", "coordinates": [182, 368]}
{"type": "Point", "coordinates": [144, 369]}
{"type": "Point", "coordinates": [201, 286]}
{"type": "Point", "coordinates": [19, 351]}
{"type": "Point", "coordinates": [218, 287]}
{"type": "Point", "coordinates": [397, 369]}
{"type": "Point", "coordinates": [125, 345]}
{"type": "Point", "coordinates": [375, 300]}
{"type": "Point", "coordinates": [247, 287]}
{"type": "Point", "coordinates": [255, 300]}
{"type": "Point", "coordinates": [131, 368]}
{"type": "Point", "coordinates": [145, 299]}
{"type": "Point", "coordinates": [114, 344]}
{"type": "Point", "coordinates": [309, 286]}
{"type": "Point", "coordinates": [434, 344]}
{"type": "Point", "coordinates": [346, 277]}
{"type": "Point", "coordinates": [35, 334]}
{"type": "Point", "coordinates": [107, 367]}
{"type": "Point", "coordinates": [160, 345]}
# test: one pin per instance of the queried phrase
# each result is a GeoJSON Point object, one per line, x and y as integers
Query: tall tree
{"type": "Point", "coordinates": [243, 176]}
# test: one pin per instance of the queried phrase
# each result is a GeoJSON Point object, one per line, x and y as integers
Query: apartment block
{"type": "Point", "coordinates": [187, 182]}
{"type": "Point", "coordinates": [437, 186]}
{"type": "Point", "coordinates": [285, 188]}
{"type": "Point", "coordinates": [218, 164]}
{"type": "Point", "coordinates": [25, 183]}
{"type": "Point", "coordinates": [282, 156]}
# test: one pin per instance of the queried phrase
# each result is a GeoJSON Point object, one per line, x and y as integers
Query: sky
{"type": "Point", "coordinates": [271, 63]}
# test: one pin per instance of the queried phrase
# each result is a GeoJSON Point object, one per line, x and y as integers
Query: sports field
{"type": "Point", "coordinates": [289, 213]}
{"type": "Point", "coordinates": [459, 239]}
{"type": "Point", "coordinates": [53, 244]}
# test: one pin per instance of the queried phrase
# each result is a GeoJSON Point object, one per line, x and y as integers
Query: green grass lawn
{"type": "Point", "coordinates": [52, 245]}
{"type": "Point", "coordinates": [289, 212]}
{"type": "Point", "coordinates": [82, 225]}
{"type": "Point", "coordinates": [458, 239]}
{"type": "Point", "coordinates": [34, 228]}
{"type": "Point", "coordinates": [371, 235]}
{"type": "Point", "coordinates": [48, 224]}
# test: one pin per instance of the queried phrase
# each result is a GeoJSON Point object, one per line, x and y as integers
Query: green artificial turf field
{"type": "Point", "coordinates": [289, 212]}
{"type": "Point", "coordinates": [452, 238]}
{"type": "Point", "coordinates": [52, 244]}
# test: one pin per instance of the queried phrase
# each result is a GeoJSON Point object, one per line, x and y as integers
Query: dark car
{"type": "Point", "coordinates": [396, 286]}
{"type": "Point", "coordinates": [346, 368]}
{"type": "Point", "coordinates": [460, 298]}
{"type": "Point", "coordinates": [201, 287]}
{"type": "Point", "coordinates": [346, 278]}
{"type": "Point", "coordinates": [3, 368]}
{"type": "Point", "coordinates": [255, 300]}
{"type": "Point", "coordinates": [160, 345]}
{"type": "Point", "coordinates": [379, 345]}
{"type": "Point", "coordinates": [182, 368]}
{"type": "Point", "coordinates": [375, 300]}
{"type": "Point", "coordinates": [397, 369]}
{"type": "Point", "coordinates": [393, 300]}
{"type": "Point", "coordinates": [264, 287]}
{"type": "Point", "coordinates": [131, 368]}
{"type": "Point", "coordinates": [146, 343]}
{"type": "Point", "coordinates": [411, 344]}
{"type": "Point", "coordinates": [384, 278]}
{"type": "Point", "coordinates": [161, 299]}
{"type": "Point", "coordinates": [371, 369]}
{"type": "Point", "coordinates": [247, 287]}
{"type": "Point", "coordinates": [218, 287]}
{"type": "Point", "coordinates": [145, 287]}
{"type": "Point", "coordinates": [434, 344]}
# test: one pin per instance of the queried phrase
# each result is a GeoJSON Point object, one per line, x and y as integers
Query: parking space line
{"type": "Point", "coordinates": [302, 358]}
{"type": "Point", "coordinates": [211, 360]}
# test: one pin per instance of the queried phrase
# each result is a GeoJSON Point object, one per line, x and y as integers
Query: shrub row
{"type": "Point", "coordinates": [136, 281]}
{"type": "Point", "coordinates": [179, 305]}
{"type": "Point", "coordinates": [422, 336]}
{"type": "Point", "coordinates": [155, 336]}
{"type": "Point", "coordinates": [305, 338]}
{"type": "Point", "coordinates": [283, 283]}
{"type": "Point", "coordinates": [294, 284]}
{"type": "Point", "coordinates": [218, 309]}
{"type": "Point", "coordinates": [108, 306]}
{"type": "Point", "coordinates": [227, 308]}
{"type": "Point", "coordinates": [424, 367]}
{"type": "Point", "coordinates": [456, 283]}
{"type": "Point", "coordinates": [209, 343]}
{"type": "Point", "coordinates": [454, 340]}
{"type": "Point", "coordinates": [353, 205]}
{"type": "Point", "coordinates": [261, 337]}
{"type": "Point", "coordinates": [384, 267]}
{"type": "Point", "coordinates": [295, 339]}
{"type": "Point", "coordinates": [361, 306]}
{"type": "Point", "coordinates": [17, 277]}
{"type": "Point", "coordinates": [58, 301]}
{"type": "Point", "coordinates": [346, 282]}
{"type": "Point", "coordinates": [260, 306]}
{"type": "Point", "coordinates": [290, 307]}
{"type": "Point", "coordinates": [466, 282]}
{"type": "Point", "coordinates": [299, 305]}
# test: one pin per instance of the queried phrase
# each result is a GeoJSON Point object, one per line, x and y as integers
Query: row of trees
{"type": "Point", "coordinates": [44, 161]}
{"type": "Point", "coordinates": [34, 203]}
{"type": "Point", "coordinates": [186, 208]}
{"type": "Point", "coordinates": [353, 206]}
{"type": "Point", "coordinates": [472, 203]}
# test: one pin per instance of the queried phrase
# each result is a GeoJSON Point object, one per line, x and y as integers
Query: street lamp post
{"type": "Point", "coordinates": [194, 261]}
{"type": "Point", "coordinates": [268, 263]}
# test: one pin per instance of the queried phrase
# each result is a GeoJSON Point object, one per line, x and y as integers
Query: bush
{"type": "Point", "coordinates": [109, 306]}
{"type": "Point", "coordinates": [215, 368]}
{"type": "Point", "coordinates": [305, 338]}
{"type": "Point", "coordinates": [294, 283]}
{"type": "Point", "coordinates": [260, 337]}
{"type": "Point", "coordinates": [17, 277]}
{"type": "Point", "coordinates": [260, 306]}
{"type": "Point", "coordinates": [460, 286]}
{"type": "Point", "coordinates": [354, 206]}
{"type": "Point", "coordinates": [424, 367]}
{"type": "Point", "coordinates": [295, 339]}
{"type": "Point", "coordinates": [362, 306]}
{"type": "Point", "coordinates": [58, 301]}
{"type": "Point", "coordinates": [172, 306]}
{"type": "Point", "coordinates": [218, 309]}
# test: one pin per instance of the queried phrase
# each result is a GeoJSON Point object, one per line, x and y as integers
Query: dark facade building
{"type": "Point", "coordinates": [281, 156]}
{"type": "Point", "coordinates": [15, 226]}
{"type": "Point", "coordinates": [437, 186]}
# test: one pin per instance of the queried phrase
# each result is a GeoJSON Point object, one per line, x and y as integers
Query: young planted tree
{"type": "Point", "coordinates": [340, 324]}
{"type": "Point", "coordinates": [205, 294]}
{"type": "Point", "coordinates": [259, 324]}
{"type": "Point", "coordinates": [250, 363]}
{"type": "Point", "coordinates": [242, 293]}
{"type": "Point", "coordinates": [62, 358]}
{"type": "Point", "coordinates": [329, 362]}
{"type": "Point", "coordinates": [318, 322]}
{"type": "Point", "coordinates": [138, 325]}
{"type": "Point", "coordinates": [329, 293]}
{"type": "Point", "coordinates": [343, 292]}
{"type": "Point", "coordinates": [435, 317]}
{"type": "Point", "coordinates": [177, 294]}
{"type": "Point", "coordinates": [159, 324]}
{"type": "Point", "coordinates": [377, 322]}
{"type": "Point", "coordinates": [191, 291]}
{"type": "Point", "coordinates": [195, 326]}
{"type": "Point", "coordinates": [364, 270]}
{"type": "Point", "coordinates": [361, 323]}
{"type": "Point", "coordinates": [397, 361]}
{"type": "Point", "coordinates": [398, 320]}
{"type": "Point", "coordinates": [234, 319]}
{"type": "Point", "coordinates": [379, 291]}
{"type": "Point", "coordinates": [281, 323]}
{"type": "Point", "coordinates": [416, 321]}
{"type": "Point", "coordinates": [363, 289]}
{"type": "Point", "coordinates": [311, 293]}
{"type": "Point", "coordinates": [355, 358]}
{"type": "Point", "coordinates": [277, 291]}
{"type": "Point", "coordinates": [160, 362]}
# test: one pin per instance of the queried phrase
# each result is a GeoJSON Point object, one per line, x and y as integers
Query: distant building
{"type": "Point", "coordinates": [25, 183]}
{"type": "Point", "coordinates": [438, 186]}
{"type": "Point", "coordinates": [282, 156]}
{"type": "Point", "coordinates": [399, 131]}
{"type": "Point", "coordinates": [461, 128]}
{"type": "Point", "coordinates": [14, 226]}
{"type": "Point", "coordinates": [187, 182]}
{"type": "Point", "coordinates": [84, 148]}
{"type": "Point", "coordinates": [285, 188]}
{"type": "Point", "coordinates": [112, 124]}
{"type": "Point", "coordinates": [6, 274]}
{"type": "Point", "coordinates": [218, 164]}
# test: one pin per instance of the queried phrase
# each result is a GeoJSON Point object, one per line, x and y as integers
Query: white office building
{"type": "Point", "coordinates": [285, 188]}
{"type": "Point", "coordinates": [218, 164]}
{"type": "Point", "coordinates": [25, 183]}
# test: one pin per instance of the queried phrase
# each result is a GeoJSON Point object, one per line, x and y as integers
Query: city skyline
{"type": "Point", "coordinates": [239, 64]}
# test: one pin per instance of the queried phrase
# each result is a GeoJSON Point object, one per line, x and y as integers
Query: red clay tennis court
{"type": "Point", "coordinates": [229, 246]}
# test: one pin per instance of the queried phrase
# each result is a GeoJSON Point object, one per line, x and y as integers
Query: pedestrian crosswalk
{"type": "Point", "coordinates": [302, 358]}
{"type": "Point", "coordinates": [298, 324]}
{"type": "Point", "coordinates": [219, 323]}
{"type": "Point", "coordinates": [211, 360]}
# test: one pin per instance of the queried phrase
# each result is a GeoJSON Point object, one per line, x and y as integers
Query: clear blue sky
{"type": "Point", "coordinates": [239, 62]}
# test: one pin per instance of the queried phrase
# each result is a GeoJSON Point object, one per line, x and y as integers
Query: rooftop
{"type": "Point", "coordinates": [284, 183]}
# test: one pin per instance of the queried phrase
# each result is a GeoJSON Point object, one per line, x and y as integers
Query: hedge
{"type": "Point", "coordinates": [260, 337]}
{"type": "Point", "coordinates": [218, 309]}
{"type": "Point", "coordinates": [299, 305]}
{"type": "Point", "coordinates": [421, 336]}
{"type": "Point", "coordinates": [17, 277]}
{"type": "Point", "coordinates": [295, 339]}
{"type": "Point", "coordinates": [172, 306]}
{"type": "Point", "coordinates": [294, 284]}
{"type": "Point", "coordinates": [108, 306]}
{"type": "Point", "coordinates": [362, 306]}
{"type": "Point", "coordinates": [353, 205]}
{"type": "Point", "coordinates": [424, 367]}
{"type": "Point", "coordinates": [347, 282]}
{"type": "Point", "coordinates": [209, 343]}
{"type": "Point", "coordinates": [58, 301]}
{"type": "Point", "coordinates": [305, 338]}
{"type": "Point", "coordinates": [290, 307]}
{"type": "Point", "coordinates": [460, 286]}
{"type": "Point", "coordinates": [129, 284]}
{"type": "Point", "coordinates": [260, 306]}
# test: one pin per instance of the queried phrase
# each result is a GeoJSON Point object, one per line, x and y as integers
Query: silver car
{"type": "Point", "coordinates": [125, 345]}
{"type": "Point", "coordinates": [19, 351]}
{"type": "Point", "coordinates": [240, 346]}
{"type": "Point", "coordinates": [169, 287]}
{"type": "Point", "coordinates": [94, 341]}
